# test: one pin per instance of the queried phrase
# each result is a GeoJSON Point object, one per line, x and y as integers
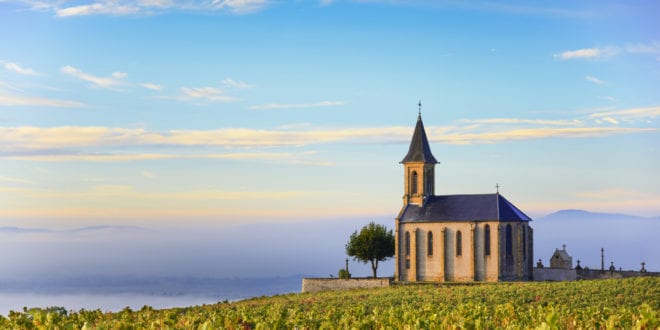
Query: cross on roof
{"type": "Point", "coordinates": [419, 109]}
{"type": "Point", "coordinates": [497, 187]}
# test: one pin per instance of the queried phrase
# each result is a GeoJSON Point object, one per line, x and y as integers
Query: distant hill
{"type": "Point", "coordinates": [582, 215]}
{"type": "Point", "coordinates": [627, 239]}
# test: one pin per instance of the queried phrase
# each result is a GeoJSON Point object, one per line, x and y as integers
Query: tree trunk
{"type": "Point", "coordinates": [374, 267]}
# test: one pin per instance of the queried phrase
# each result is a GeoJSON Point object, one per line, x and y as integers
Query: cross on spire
{"type": "Point", "coordinates": [419, 109]}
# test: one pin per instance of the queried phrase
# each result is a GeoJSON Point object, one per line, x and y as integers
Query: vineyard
{"type": "Point", "coordinates": [604, 304]}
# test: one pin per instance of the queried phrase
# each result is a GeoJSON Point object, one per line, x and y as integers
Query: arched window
{"type": "Point", "coordinates": [459, 243]}
{"type": "Point", "coordinates": [413, 183]}
{"type": "Point", "coordinates": [487, 240]}
{"type": "Point", "coordinates": [407, 243]}
{"type": "Point", "coordinates": [509, 241]}
{"type": "Point", "coordinates": [429, 244]}
{"type": "Point", "coordinates": [524, 243]}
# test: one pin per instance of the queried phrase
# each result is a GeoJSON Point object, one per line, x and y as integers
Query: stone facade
{"type": "Point", "coordinates": [333, 284]}
{"type": "Point", "coordinates": [475, 262]}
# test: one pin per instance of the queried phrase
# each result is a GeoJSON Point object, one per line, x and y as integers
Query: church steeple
{"type": "Point", "coordinates": [419, 150]}
{"type": "Point", "coordinates": [419, 167]}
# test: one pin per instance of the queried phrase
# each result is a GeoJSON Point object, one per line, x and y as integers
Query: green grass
{"type": "Point", "coordinates": [600, 304]}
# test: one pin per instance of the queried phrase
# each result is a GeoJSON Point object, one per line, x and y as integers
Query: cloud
{"type": "Point", "coordinates": [518, 121]}
{"type": "Point", "coordinates": [235, 84]}
{"type": "Point", "coordinates": [608, 120]}
{"type": "Point", "coordinates": [98, 8]}
{"type": "Point", "coordinates": [627, 114]}
{"type": "Point", "coordinates": [11, 66]}
{"type": "Point", "coordinates": [279, 106]}
{"type": "Point", "coordinates": [69, 8]}
{"type": "Point", "coordinates": [23, 100]}
{"type": "Point", "coordinates": [156, 3]}
{"type": "Point", "coordinates": [111, 82]}
{"type": "Point", "coordinates": [652, 48]}
{"type": "Point", "coordinates": [151, 86]}
{"type": "Point", "coordinates": [69, 143]}
{"type": "Point", "coordinates": [580, 53]}
{"type": "Point", "coordinates": [284, 157]}
{"type": "Point", "coordinates": [594, 80]}
{"type": "Point", "coordinates": [15, 180]}
{"type": "Point", "coordinates": [239, 6]}
{"type": "Point", "coordinates": [206, 93]}
{"type": "Point", "coordinates": [535, 134]}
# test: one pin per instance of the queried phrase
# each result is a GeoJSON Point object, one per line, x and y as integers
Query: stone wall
{"type": "Point", "coordinates": [330, 284]}
{"type": "Point", "coordinates": [560, 274]}
{"type": "Point", "coordinates": [555, 274]}
{"type": "Point", "coordinates": [592, 274]}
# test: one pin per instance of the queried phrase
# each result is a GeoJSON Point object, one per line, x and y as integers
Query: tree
{"type": "Point", "coordinates": [373, 243]}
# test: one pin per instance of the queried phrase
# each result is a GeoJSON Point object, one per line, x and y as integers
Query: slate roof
{"type": "Point", "coordinates": [562, 254]}
{"type": "Point", "coordinates": [450, 208]}
{"type": "Point", "coordinates": [419, 150]}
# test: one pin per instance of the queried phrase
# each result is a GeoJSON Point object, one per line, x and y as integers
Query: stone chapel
{"type": "Point", "coordinates": [457, 238]}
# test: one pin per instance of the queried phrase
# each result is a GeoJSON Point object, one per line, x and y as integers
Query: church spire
{"type": "Point", "coordinates": [419, 150]}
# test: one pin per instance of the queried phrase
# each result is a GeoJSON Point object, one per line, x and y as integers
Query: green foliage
{"type": "Point", "coordinates": [373, 243]}
{"type": "Point", "coordinates": [344, 274]}
{"type": "Point", "coordinates": [601, 304]}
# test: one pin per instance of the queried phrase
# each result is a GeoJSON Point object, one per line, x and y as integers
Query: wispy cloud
{"type": "Point", "coordinates": [25, 100]}
{"type": "Point", "coordinates": [74, 142]}
{"type": "Point", "coordinates": [627, 114]}
{"type": "Point", "coordinates": [535, 134]}
{"type": "Point", "coordinates": [99, 8]}
{"type": "Point", "coordinates": [236, 84]}
{"type": "Point", "coordinates": [279, 106]}
{"type": "Point", "coordinates": [207, 93]}
{"type": "Point", "coordinates": [152, 86]}
{"type": "Point", "coordinates": [111, 82]}
{"type": "Point", "coordinates": [239, 6]}
{"type": "Point", "coordinates": [11, 66]}
{"type": "Point", "coordinates": [518, 121]}
{"type": "Point", "coordinates": [581, 53]}
{"type": "Point", "coordinates": [651, 48]}
{"type": "Point", "coordinates": [594, 80]}
{"type": "Point", "coordinates": [126, 157]}
{"type": "Point", "coordinates": [69, 8]}
{"type": "Point", "coordinates": [15, 180]}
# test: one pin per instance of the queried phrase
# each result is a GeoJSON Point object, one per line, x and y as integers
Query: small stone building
{"type": "Point", "coordinates": [561, 259]}
{"type": "Point", "coordinates": [461, 238]}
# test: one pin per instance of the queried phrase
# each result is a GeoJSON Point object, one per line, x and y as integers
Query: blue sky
{"type": "Point", "coordinates": [162, 111]}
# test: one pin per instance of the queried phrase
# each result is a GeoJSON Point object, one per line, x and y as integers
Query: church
{"type": "Point", "coordinates": [456, 238]}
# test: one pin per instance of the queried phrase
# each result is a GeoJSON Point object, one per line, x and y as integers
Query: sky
{"type": "Point", "coordinates": [224, 112]}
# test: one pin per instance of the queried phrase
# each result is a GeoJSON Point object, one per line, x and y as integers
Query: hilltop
{"type": "Point", "coordinates": [629, 303]}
